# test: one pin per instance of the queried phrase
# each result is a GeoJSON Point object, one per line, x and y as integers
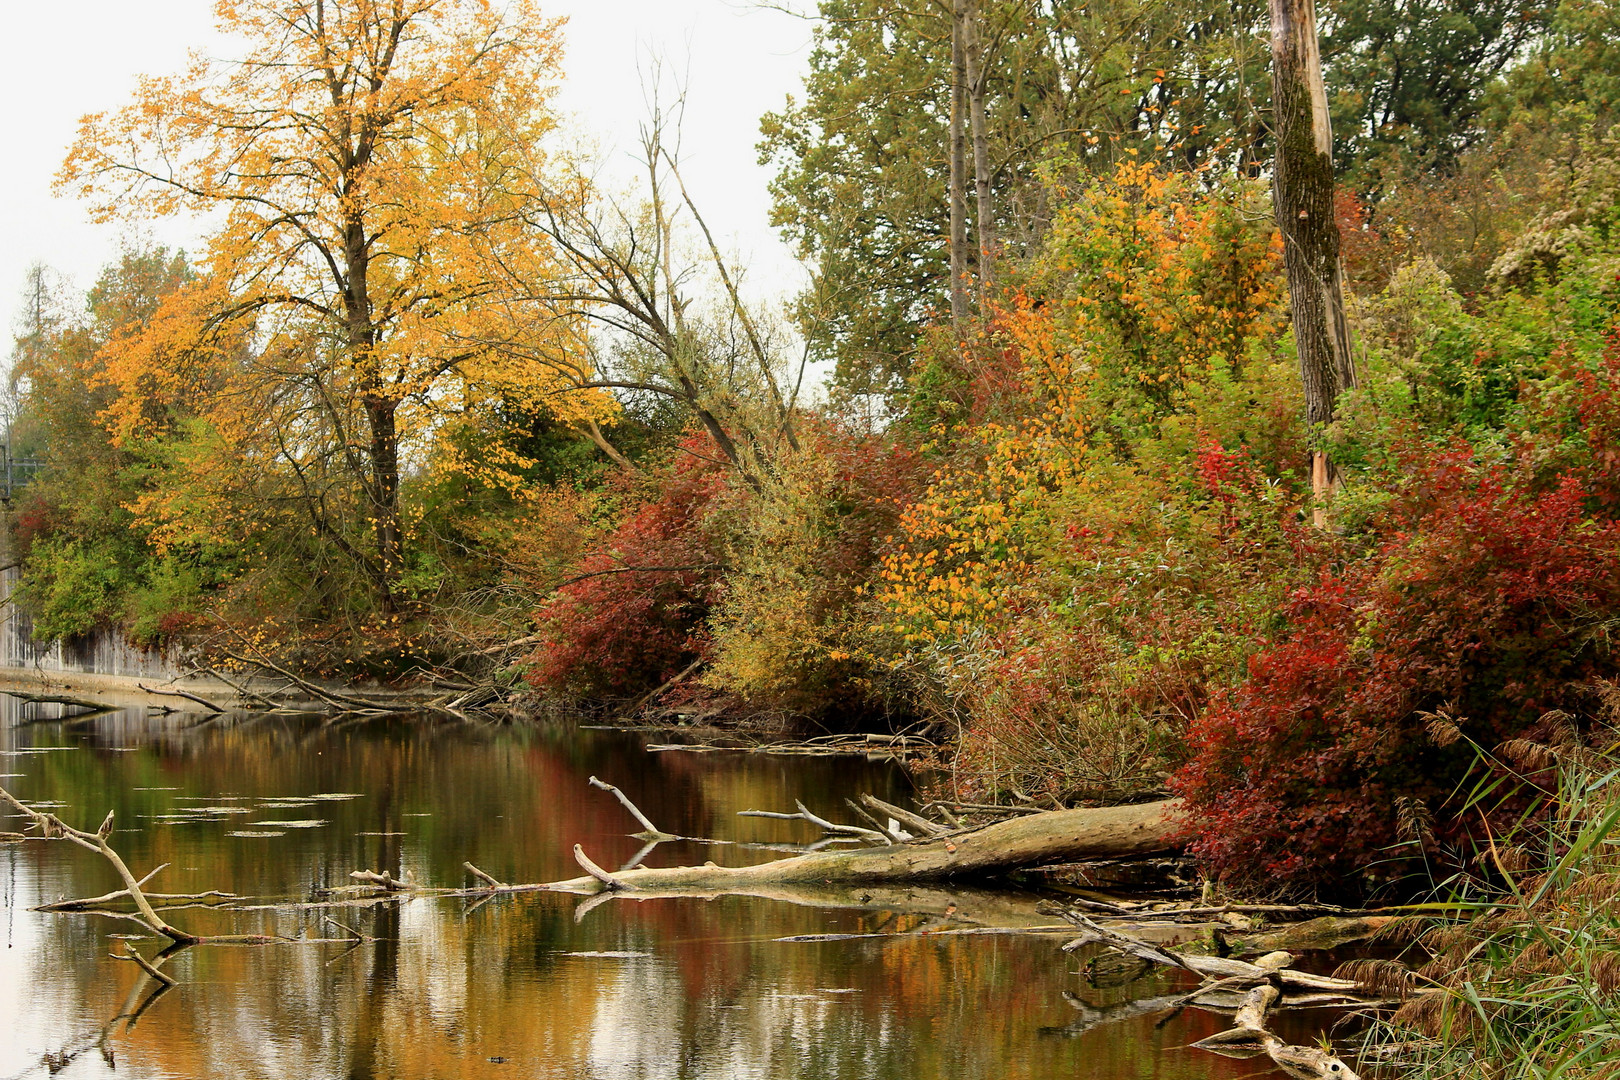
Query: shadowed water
{"type": "Point", "coordinates": [519, 986]}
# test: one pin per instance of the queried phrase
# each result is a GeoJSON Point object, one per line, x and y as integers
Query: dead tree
{"type": "Point", "coordinates": [1302, 183]}
{"type": "Point", "coordinates": [958, 172]}
{"type": "Point", "coordinates": [1253, 988]}
{"type": "Point", "coordinates": [52, 827]}
{"type": "Point", "coordinates": [985, 218]}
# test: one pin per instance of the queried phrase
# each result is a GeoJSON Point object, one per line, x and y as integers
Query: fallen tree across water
{"type": "Point", "coordinates": [1108, 832]}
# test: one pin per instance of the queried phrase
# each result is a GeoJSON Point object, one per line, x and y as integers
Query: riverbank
{"type": "Point", "coordinates": [200, 691]}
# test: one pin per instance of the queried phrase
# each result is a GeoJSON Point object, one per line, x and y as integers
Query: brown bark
{"type": "Point", "coordinates": [1303, 196]}
{"type": "Point", "coordinates": [381, 417]}
{"type": "Point", "coordinates": [1110, 832]}
{"type": "Point", "coordinates": [985, 219]}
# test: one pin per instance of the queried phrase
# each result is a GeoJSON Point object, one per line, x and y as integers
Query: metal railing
{"type": "Point", "coordinates": [18, 473]}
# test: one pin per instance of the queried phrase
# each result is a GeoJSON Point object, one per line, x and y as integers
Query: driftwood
{"type": "Point", "coordinates": [145, 965]}
{"type": "Point", "coordinates": [242, 691]}
{"type": "Point", "coordinates": [1267, 983]}
{"type": "Point", "coordinates": [923, 826]}
{"type": "Point", "coordinates": [92, 903]}
{"type": "Point", "coordinates": [353, 704]}
{"type": "Point", "coordinates": [384, 880]}
{"type": "Point", "coordinates": [820, 746]}
{"type": "Point", "coordinates": [1326, 932]}
{"type": "Point", "coordinates": [204, 702]}
{"type": "Point", "coordinates": [649, 830]}
{"type": "Point", "coordinates": [607, 880]}
{"type": "Point", "coordinates": [829, 827]}
{"type": "Point", "coordinates": [58, 699]}
{"type": "Point", "coordinates": [488, 879]}
{"type": "Point", "coordinates": [972, 853]}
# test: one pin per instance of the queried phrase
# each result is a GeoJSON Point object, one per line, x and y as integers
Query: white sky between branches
{"type": "Point", "coordinates": [62, 59]}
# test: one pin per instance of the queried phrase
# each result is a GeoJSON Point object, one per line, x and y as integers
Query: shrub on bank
{"type": "Point", "coordinates": [1489, 597]}
{"type": "Point", "coordinates": [631, 613]}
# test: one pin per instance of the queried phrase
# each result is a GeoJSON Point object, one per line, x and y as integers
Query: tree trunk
{"type": "Point", "coordinates": [986, 218]}
{"type": "Point", "coordinates": [958, 154]}
{"type": "Point", "coordinates": [1303, 197]}
{"type": "Point", "coordinates": [384, 493]}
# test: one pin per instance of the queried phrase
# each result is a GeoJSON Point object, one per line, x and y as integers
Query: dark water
{"type": "Point", "coordinates": [521, 986]}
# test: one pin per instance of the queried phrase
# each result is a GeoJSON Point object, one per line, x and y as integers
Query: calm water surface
{"type": "Point", "coordinates": [522, 986]}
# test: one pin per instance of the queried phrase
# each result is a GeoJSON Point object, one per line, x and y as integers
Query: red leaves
{"type": "Point", "coordinates": [632, 617]}
{"type": "Point", "coordinates": [1487, 593]}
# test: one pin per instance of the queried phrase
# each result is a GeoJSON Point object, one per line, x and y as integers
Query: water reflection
{"type": "Point", "coordinates": [520, 985]}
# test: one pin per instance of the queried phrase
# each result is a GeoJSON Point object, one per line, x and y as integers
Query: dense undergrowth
{"type": "Point", "coordinates": [1518, 978]}
{"type": "Point", "coordinates": [1071, 536]}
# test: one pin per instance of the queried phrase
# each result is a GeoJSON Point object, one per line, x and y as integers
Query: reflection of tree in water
{"type": "Point", "coordinates": [452, 983]}
{"type": "Point", "coordinates": [144, 992]}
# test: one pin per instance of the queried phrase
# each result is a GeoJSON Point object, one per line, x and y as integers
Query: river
{"type": "Point", "coordinates": [534, 985]}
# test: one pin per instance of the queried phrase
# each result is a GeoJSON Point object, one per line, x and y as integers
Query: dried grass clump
{"type": "Point", "coordinates": [1529, 985]}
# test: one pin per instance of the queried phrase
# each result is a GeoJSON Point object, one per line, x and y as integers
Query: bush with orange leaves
{"type": "Point", "coordinates": [1113, 512]}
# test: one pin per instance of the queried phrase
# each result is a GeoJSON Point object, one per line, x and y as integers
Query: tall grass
{"type": "Point", "coordinates": [1525, 986]}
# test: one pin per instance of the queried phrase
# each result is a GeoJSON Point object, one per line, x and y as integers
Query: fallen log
{"type": "Point", "coordinates": [1327, 932]}
{"type": "Point", "coordinates": [58, 699]}
{"type": "Point", "coordinates": [1109, 832]}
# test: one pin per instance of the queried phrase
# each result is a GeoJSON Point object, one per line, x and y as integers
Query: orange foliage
{"type": "Point", "coordinates": [372, 169]}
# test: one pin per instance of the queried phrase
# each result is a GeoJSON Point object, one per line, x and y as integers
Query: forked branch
{"type": "Point", "coordinates": [52, 827]}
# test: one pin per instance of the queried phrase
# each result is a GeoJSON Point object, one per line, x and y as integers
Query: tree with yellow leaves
{"type": "Point", "coordinates": [362, 160]}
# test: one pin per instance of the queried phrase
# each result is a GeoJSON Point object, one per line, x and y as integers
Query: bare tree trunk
{"type": "Point", "coordinates": [986, 219]}
{"type": "Point", "coordinates": [594, 431]}
{"type": "Point", "coordinates": [380, 416]}
{"type": "Point", "coordinates": [1303, 197]}
{"type": "Point", "coordinates": [958, 153]}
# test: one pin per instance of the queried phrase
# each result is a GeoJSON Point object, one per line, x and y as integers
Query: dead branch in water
{"type": "Point", "coordinates": [905, 817]}
{"type": "Point", "coordinates": [146, 965]}
{"type": "Point", "coordinates": [52, 827]}
{"type": "Point", "coordinates": [1267, 983]}
{"type": "Point", "coordinates": [820, 746]}
{"type": "Point", "coordinates": [608, 880]}
{"type": "Point", "coordinates": [330, 697]}
{"type": "Point", "coordinates": [384, 880]}
{"type": "Point", "coordinates": [487, 879]}
{"type": "Point", "coordinates": [91, 903]}
{"type": "Point", "coordinates": [204, 702]}
{"type": "Point", "coordinates": [649, 830]}
{"type": "Point", "coordinates": [975, 853]}
{"type": "Point", "coordinates": [242, 691]}
{"type": "Point", "coordinates": [831, 828]}
{"type": "Point", "coordinates": [58, 699]}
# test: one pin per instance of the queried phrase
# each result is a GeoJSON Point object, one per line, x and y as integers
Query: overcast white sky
{"type": "Point", "coordinates": [61, 59]}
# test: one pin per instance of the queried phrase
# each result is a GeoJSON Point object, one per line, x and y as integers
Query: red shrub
{"type": "Point", "coordinates": [1486, 596]}
{"type": "Point", "coordinates": [633, 617]}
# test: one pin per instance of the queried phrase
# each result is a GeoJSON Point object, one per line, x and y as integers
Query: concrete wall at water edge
{"type": "Point", "coordinates": [101, 652]}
